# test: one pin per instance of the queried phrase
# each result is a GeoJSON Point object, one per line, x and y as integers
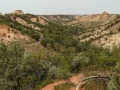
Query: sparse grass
{"type": "Point", "coordinates": [95, 85]}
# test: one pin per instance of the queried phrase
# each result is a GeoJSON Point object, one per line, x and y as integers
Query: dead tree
{"type": "Point", "coordinates": [83, 81]}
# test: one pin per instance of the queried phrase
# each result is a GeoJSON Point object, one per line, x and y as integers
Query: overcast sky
{"type": "Point", "coordinates": [60, 6]}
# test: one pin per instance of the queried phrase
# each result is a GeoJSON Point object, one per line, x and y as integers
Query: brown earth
{"type": "Point", "coordinates": [8, 34]}
{"type": "Point", "coordinates": [3, 29]}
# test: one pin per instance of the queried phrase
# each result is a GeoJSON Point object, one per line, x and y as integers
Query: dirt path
{"type": "Point", "coordinates": [51, 86]}
{"type": "Point", "coordinates": [74, 79]}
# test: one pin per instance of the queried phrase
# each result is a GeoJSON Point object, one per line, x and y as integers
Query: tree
{"type": "Point", "coordinates": [79, 61]}
{"type": "Point", "coordinates": [20, 70]}
{"type": "Point", "coordinates": [10, 60]}
{"type": "Point", "coordinates": [114, 83]}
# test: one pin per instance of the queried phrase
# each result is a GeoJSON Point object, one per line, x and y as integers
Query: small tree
{"type": "Point", "coordinates": [10, 65]}
{"type": "Point", "coordinates": [79, 61]}
{"type": "Point", "coordinates": [114, 83]}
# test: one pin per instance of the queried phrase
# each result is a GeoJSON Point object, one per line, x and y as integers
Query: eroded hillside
{"type": "Point", "coordinates": [99, 29]}
{"type": "Point", "coordinates": [105, 34]}
{"type": "Point", "coordinates": [56, 47]}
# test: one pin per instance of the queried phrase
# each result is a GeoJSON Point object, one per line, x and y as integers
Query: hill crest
{"type": "Point", "coordinates": [19, 12]}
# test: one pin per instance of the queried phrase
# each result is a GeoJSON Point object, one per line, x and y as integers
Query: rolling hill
{"type": "Point", "coordinates": [101, 30]}
{"type": "Point", "coordinates": [56, 47]}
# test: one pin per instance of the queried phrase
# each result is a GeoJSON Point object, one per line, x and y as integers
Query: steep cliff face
{"type": "Point", "coordinates": [19, 12]}
{"type": "Point", "coordinates": [8, 34]}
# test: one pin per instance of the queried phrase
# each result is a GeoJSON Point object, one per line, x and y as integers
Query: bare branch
{"type": "Point", "coordinates": [102, 77]}
{"type": "Point", "coordinates": [82, 82]}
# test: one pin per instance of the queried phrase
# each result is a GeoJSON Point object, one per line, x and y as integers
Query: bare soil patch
{"type": "Point", "coordinates": [74, 79]}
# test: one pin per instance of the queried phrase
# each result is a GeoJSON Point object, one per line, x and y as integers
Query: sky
{"type": "Point", "coordinates": [48, 7]}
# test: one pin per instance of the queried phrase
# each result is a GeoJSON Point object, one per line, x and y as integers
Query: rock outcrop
{"type": "Point", "coordinates": [104, 16]}
{"type": "Point", "coordinates": [19, 12]}
{"type": "Point", "coordinates": [0, 13]}
{"type": "Point", "coordinates": [23, 22]}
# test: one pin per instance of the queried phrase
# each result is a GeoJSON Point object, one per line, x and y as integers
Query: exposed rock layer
{"type": "Point", "coordinates": [19, 12]}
